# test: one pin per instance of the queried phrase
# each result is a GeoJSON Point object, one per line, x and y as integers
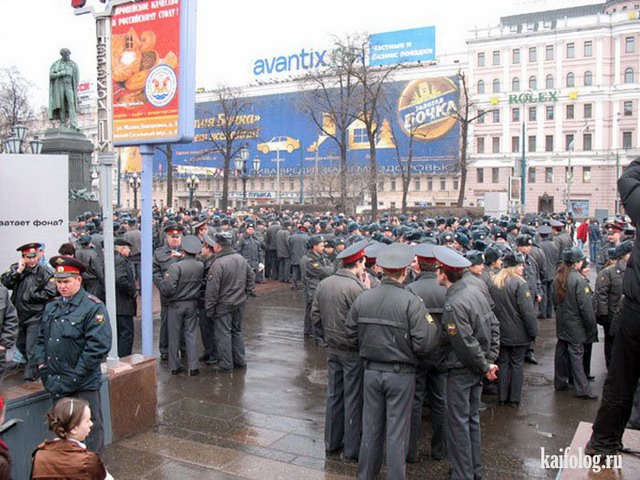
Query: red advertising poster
{"type": "Point", "coordinates": [145, 52]}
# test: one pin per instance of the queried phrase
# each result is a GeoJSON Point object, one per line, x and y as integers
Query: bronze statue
{"type": "Point", "coordinates": [63, 84]}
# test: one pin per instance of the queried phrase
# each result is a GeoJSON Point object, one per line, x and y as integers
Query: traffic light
{"type": "Point", "coordinates": [78, 3]}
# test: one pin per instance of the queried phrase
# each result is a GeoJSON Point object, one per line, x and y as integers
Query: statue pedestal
{"type": "Point", "coordinates": [74, 144]}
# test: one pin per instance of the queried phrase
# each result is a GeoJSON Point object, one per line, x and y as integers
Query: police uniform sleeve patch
{"type": "Point", "coordinates": [100, 318]}
{"type": "Point", "coordinates": [452, 329]}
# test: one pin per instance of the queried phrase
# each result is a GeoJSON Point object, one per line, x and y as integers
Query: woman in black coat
{"type": "Point", "coordinates": [518, 326]}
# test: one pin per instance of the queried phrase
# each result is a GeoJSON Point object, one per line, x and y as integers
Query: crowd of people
{"type": "Point", "coordinates": [412, 310]}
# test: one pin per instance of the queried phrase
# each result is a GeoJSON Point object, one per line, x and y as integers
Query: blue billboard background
{"type": "Point", "coordinates": [414, 45]}
{"type": "Point", "coordinates": [282, 130]}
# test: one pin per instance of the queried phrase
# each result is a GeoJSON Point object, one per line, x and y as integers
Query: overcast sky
{"type": "Point", "coordinates": [233, 34]}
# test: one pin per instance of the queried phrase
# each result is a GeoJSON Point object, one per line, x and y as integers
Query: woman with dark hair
{"type": "Point", "coordinates": [66, 457]}
{"type": "Point", "coordinates": [518, 326]}
{"type": "Point", "coordinates": [575, 323]}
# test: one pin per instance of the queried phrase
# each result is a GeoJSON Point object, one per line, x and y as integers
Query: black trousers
{"type": "Point", "coordinates": [621, 383]}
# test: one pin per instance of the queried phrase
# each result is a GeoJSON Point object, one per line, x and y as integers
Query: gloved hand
{"type": "Point", "coordinates": [260, 267]}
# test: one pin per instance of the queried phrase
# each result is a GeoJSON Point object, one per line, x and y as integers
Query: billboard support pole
{"type": "Point", "coordinates": [301, 175]}
{"type": "Point", "coordinates": [146, 280]}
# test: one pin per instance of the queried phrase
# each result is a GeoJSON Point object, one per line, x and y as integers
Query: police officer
{"type": "Point", "coordinates": [163, 258]}
{"type": "Point", "coordinates": [391, 328]}
{"type": "Point", "coordinates": [298, 247]}
{"type": "Point", "coordinates": [74, 337]}
{"type": "Point", "coordinates": [251, 247]}
{"type": "Point", "coordinates": [283, 252]}
{"type": "Point", "coordinates": [473, 274]}
{"type": "Point", "coordinates": [315, 267]}
{"type": "Point", "coordinates": [373, 271]}
{"type": "Point", "coordinates": [8, 325]}
{"type": "Point", "coordinates": [614, 234]}
{"type": "Point", "coordinates": [126, 306]}
{"type": "Point", "coordinates": [181, 287]}
{"type": "Point", "coordinates": [32, 287]}
{"type": "Point", "coordinates": [552, 256]}
{"type": "Point", "coordinates": [207, 256]}
{"type": "Point", "coordinates": [229, 280]}
{"type": "Point", "coordinates": [524, 244]}
{"type": "Point", "coordinates": [469, 348]}
{"type": "Point", "coordinates": [93, 277]}
{"type": "Point", "coordinates": [331, 303]}
{"type": "Point", "coordinates": [430, 379]}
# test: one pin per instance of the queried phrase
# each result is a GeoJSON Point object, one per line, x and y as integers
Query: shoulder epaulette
{"type": "Point", "coordinates": [93, 298]}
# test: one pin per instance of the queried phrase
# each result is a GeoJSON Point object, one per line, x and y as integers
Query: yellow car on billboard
{"type": "Point", "coordinates": [277, 144]}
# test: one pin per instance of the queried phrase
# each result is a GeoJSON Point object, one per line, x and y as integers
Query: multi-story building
{"type": "Point", "coordinates": [560, 90]}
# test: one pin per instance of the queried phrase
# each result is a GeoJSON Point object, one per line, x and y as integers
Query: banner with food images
{"type": "Point", "coordinates": [149, 48]}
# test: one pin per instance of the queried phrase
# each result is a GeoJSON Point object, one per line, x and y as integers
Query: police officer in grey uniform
{"type": "Point", "coordinates": [207, 256]}
{"type": "Point", "coordinates": [181, 287]}
{"type": "Point", "coordinates": [391, 328]}
{"type": "Point", "coordinates": [372, 270]}
{"type": "Point", "coordinates": [431, 381]}
{"type": "Point", "coordinates": [163, 258]}
{"type": "Point", "coordinates": [524, 245]}
{"type": "Point", "coordinates": [469, 348]}
{"type": "Point", "coordinates": [315, 267]}
{"type": "Point", "coordinates": [552, 256]}
{"type": "Point", "coordinates": [331, 303]}
{"type": "Point", "coordinates": [298, 247]}
{"type": "Point", "coordinates": [251, 247]}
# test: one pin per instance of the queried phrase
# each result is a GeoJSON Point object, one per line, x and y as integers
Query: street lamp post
{"type": "Point", "coordinates": [134, 183]}
{"type": "Point", "coordinates": [14, 143]}
{"type": "Point", "coordinates": [192, 184]}
{"type": "Point", "coordinates": [584, 128]}
{"type": "Point", "coordinates": [241, 164]}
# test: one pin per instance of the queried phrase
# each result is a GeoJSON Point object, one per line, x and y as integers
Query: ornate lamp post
{"type": "Point", "coordinates": [18, 135]}
{"type": "Point", "coordinates": [134, 183]}
{"type": "Point", "coordinates": [192, 184]}
{"type": "Point", "coordinates": [241, 167]}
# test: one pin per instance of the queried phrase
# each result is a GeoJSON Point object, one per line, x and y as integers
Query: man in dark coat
{"type": "Point", "coordinates": [126, 306]}
{"type": "Point", "coordinates": [298, 247]}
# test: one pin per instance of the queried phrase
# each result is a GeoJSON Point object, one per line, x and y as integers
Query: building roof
{"type": "Point", "coordinates": [552, 15]}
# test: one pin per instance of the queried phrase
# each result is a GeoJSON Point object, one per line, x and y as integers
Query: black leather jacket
{"type": "Point", "coordinates": [32, 289]}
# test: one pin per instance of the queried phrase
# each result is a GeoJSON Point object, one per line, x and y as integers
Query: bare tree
{"type": "Point", "coordinates": [15, 104]}
{"type": "Point", "coordinates": [465, 114]}
{"type": "Point", "coordinates": [168, 153]}
{"type": "Point", "coordinates": [330, 100]}
{"type": "Point", "coordinates": [371, 92]}
{"type": "Point", "coordinates": [226, 130]}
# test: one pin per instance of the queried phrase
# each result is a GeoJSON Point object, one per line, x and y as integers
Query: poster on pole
{"type": "Point", "coordinates": [153, 71]}
{"type": "Point", "coordinates": [23, 218]}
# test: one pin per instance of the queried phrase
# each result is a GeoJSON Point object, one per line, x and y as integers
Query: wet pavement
{"type": "Point", "coordinates": [266, 422]}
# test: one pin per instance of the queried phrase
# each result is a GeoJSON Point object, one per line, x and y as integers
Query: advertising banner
{"type": "Point", "coordinates": [414, 45]}
{"type": "Point", "coordinates": [280, 129]}
{"type": "Point", "coordinates": [24, 218]}
{"type": "Point", "coordinates": [153, 71]}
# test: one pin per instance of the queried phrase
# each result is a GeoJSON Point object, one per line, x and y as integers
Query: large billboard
{"type": "Point", "coordinates": [403, 46]}
{"type": "Point", "coordinates": [280, 130]}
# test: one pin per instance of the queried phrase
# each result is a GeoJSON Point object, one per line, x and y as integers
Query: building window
{"type": "Point", "coordinates": [571, 50]}
{"type": "Point", "coordinates": [416, 184]}
{"type": "Point", "coordinates": [549, 53]}
{"type": "Point", "coordinates": [515, 84]}
{"type": "Point", "coordinates": [496, 86]}
{"type": "Point", "coordinates": [480, 175]}
{"type": "Point", "coordinates": [533, 83]}
{"type": "Point", "coordinates": [261, 184]}
{"type": "Point", "coordinates": [495, 144]}
{"type": "Point", "coordinates": [532, 143]}
{"type": "Point", "coordinates": [568, 140]}
{"type": "Point", "coordinates": [588, 78]}
{"type": "Point", "coordinates": [570, 112]}
{"type": "Point", "coordinates": [550, 110]}
{"type": "Point", "coordinates": [496, 57]}
{"type": "Point", "coordinates": [393, 184]}
{"type": "Point", "coordinates": [533, 54]}
{"type": "Point", "coordinates": [628, 75]}
{"type": "Point", "coordinates": [533, 114]}
{"type": "Point", "coordinates": [481, 59]}
{"type": "Point", "coordinates": [548, 175]}
{"type": "Point", "coordinates": [496, 116]}
{"type": "Point", "coordinates": [588, 110]}
{"type": "Point", "coordinates": [531, 175]}
{"type": "Point", "coordinates": [292, 186]}
{"type": "Point", "coordinates": [381, 185]}
{"type": "Point", "coordinates": [456, 184]}
{"type": "Point", "coordinates": [481, 114]}
{"type": "Point", "coordinates": [515, 114]}
{"type": "Point", "coordinates": [571, 79]}
{"type": "Point", "coordinates": [588, 48]}
{"type": "Point", "coordinates": [626, 140]}
{"type": "Point", "coordinates": [480, 144]}
{"type": "Point", "coordinates": [495, 175]}
{"type": "Point", "coordinates": [515, 144]}
{"type": "Point", "coordinates": [629, 44]}
{"type": "Point", "coordinates": [548, 143]}
{"type": "Point", "coordinates": [430, 184]}
{"type": "Point", "coordinates": [443, 185]}
{"type": "Point", "coordinates": [628, 108]}
{"type": "Point", "coordinates": [586, 174]}
{"type": "Point", "coordinates": [516, 56]}
{"type": "Point", "coordinates": [586, 142]}
{"type": "Point", "coordinates": [549, 81]}
{"type": "Point", "coordinates": [480, 86]}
